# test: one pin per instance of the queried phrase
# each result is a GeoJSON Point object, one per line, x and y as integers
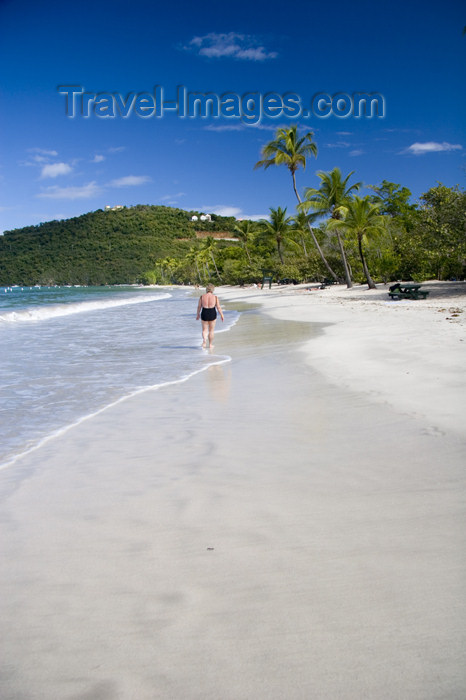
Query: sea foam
{"type": "Point", "coordinates": [44, 313]}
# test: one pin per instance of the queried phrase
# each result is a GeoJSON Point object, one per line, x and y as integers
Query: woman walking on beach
{"type": "Point", "coordinates": [207, 311]}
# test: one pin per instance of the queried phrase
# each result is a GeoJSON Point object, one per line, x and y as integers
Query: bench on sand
{"type": "Point", "coordinates": [407, 291]}
{"type": "Point", "coordinates": [267, 276]}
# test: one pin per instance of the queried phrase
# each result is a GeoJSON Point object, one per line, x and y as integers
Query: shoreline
{"type": "Point", "coordinates": [11, 460]}
{"type": "Point", "coordinates": [255, 532]}
{"type": "Point", "coordinates": [28, 431]}
{"type": "Point", "coordinates": [403, 353]}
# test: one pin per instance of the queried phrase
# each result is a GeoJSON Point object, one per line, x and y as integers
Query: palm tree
{"type": "Point", "coordinates": [207, 251]}
{"type": "Point", "coordinates": [292, 150]}
{"type": "Point", "coordinates": [301, 225]}
{"type": "Point", "coordinates": [193, 259]}
{"type": "Point", "coordinates": [244, 231]}
{"type": "Point", "coordinates": [278, 228]}
{"type": "Point", "coordinates": [168, 267]}
{"type": "Point", "coordinates": [288, 149]}
{"type": "Point", "coordinates": [332, 198]}
{"type": "Point", "coordinates": [363, 220]}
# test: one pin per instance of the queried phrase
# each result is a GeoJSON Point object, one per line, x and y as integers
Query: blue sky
{"type": "Point", "coordinates": [53, 166]}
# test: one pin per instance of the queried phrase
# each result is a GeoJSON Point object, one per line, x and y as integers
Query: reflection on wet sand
{"type": "Point", "coordinates": [256, 334]}
{"type": "Point", "coordinates": [219, 381]}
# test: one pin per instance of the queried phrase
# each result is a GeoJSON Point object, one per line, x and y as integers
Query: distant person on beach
{"type": "Point", "coordinates": [207, 311]}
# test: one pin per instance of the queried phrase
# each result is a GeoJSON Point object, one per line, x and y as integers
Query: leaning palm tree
{"type": "Point", "coordinates": [207, 251]}
{"type": "Point", "coordinates": [192, 258]}
{"type": "Point", "coordinates": [292, 150]}
{"type": "Point", "coordinates": [244, 230]}
{"type": "Point", "coordinates": [363, 220]}
{"type": "Point", "coordinates": [168, 267]}
{"type": "Point", "coordinates": [279, 228]}
{"type": "Point", "coordinates": [332, 197]}
{"type": "Point", "coordinates": [301, 223]}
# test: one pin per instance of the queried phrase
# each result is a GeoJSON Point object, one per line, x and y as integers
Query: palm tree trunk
{"type": "Point", "coordinates": [215, 265]}
{"type": "Point", "coordinates": [314, 239]}
{"type": "Point", "coordinates": [280, 254]}
{"type": "Point", "coordinates": [303, 243]}
{"type": "Point", "coordinates": [294, 186]}
{"type": "Point", "coordinates": [370, 281]}
{"type": "Point", "coordinates": [349, 281]}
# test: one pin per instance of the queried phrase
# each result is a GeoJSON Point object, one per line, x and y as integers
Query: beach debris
{"type": "Point", "coordinates": [210, 549]}
{"type": "Point", "coordinates": [455, 312]}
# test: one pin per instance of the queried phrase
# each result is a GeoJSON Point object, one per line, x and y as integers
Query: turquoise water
{"type": "Point", "coordinates": [68, 352]}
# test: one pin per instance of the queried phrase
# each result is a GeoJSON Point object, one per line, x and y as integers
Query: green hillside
{"type": "Point", "coordinates": [380, 237]}
{"type": "Point", "coordinates": [102, 247]}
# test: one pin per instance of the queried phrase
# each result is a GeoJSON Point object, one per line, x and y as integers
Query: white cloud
{"type": "Point", "coordinates": [98, 159]}
{"type": "Point", "coordinates": [255, 217]}
{"type": "Point", "coordinates": [226, 210]}
{"type": "Point", "coordinates": [130, 181]}
{"type": "Point", "coordinates": [55, 169]}
{"type": "Point", "coordinates": [39, 156]}
{"type": "Point", "coordinates": [356, 152]}
{"type": "Point", "coordinates": [222, 210]}
{"type": "Point", "coordinates": [241, 47]}
{"type": "Point", "coordinates": [242, 126]}
{"type": "Point", "coordinates": [338, 144]}
{"type": "Point", "coordinates": [269, 127]}
{"type": "Point", "coordinates": [225, 127]}
{"type": "Point", "coordinates": [37, 159]}
{"type": "Point", "coordinates": [418, 149]}
{"type": "Point", "coordinates": [88, 191]}
{"type": "Point", "coordinates": [43, 151]}
{"type": "Point", "coordinates": [402, 131]}
{"type": "Point", "coordinates": [172, 197]}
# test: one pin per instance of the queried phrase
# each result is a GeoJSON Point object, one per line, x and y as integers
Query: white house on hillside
{"type": "Point", "coordinates": [202, 217]}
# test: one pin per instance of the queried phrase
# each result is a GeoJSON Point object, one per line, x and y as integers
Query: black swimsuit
{"type": "Point", "coordinates": [209, 314]}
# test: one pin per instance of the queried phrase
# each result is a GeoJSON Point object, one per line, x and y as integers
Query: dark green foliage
{"type": "Point", "coordinates": [158, 245]}
{"type": "Point", "coordinates": [434, 246]}
{"type": "Point", "coordinates": [101, 247]}
{"type": "Point", "coordinates": [393, 200]}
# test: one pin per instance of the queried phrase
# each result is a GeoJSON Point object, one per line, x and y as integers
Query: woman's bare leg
{"type": "Point", "coordinates": [205, 332]}
{"type": "Point", "coordinates": [211, 333]}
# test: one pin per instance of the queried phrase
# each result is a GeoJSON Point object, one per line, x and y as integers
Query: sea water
{"type": "Point", "coordinates": [69, 352]}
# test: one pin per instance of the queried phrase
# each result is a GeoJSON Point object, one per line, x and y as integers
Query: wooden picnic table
{"type": "Point", "coordinates": [401, 290]}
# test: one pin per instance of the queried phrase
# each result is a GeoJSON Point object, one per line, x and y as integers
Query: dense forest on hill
{"type": "Point", "coordinates": [333, 234]}
{"type": "Point", "coordinates": [102, 247]}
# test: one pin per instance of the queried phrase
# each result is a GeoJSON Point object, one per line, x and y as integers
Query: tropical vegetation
{"type": "Point", "coordinates": [334, 233]}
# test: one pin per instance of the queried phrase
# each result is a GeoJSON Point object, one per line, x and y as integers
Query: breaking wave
{"type": "Point", "coordinates": [45, 313]}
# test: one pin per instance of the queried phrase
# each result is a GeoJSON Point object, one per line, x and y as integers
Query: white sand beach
{"type": "Point", "coordinates": [404, 352]}
{"type": "Point", "coordinates": [289, 524]}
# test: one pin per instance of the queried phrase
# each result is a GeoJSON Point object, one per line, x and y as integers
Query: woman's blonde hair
{"type": "Point", "coordinates": [210, 288]}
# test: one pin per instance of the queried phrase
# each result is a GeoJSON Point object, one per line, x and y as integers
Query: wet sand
{"type": "Point", "coordinates": [256, 532]}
